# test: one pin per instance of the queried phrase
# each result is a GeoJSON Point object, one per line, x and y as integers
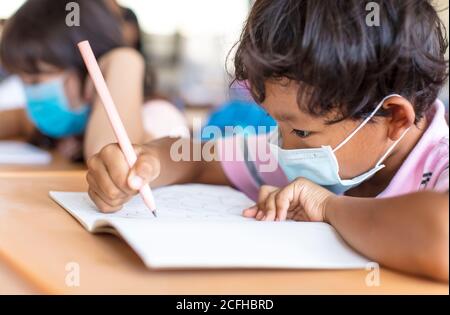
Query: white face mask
{"type": "Point", "coordinates": [320, 165]}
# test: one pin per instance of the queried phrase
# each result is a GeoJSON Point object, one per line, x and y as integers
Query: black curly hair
{"type": "Point", "coordinates": [342, 64]}
{"type": "Point", "coordinates": [37, 33]}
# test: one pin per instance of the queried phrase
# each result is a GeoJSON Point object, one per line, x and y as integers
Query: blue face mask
{"type": "Point", "coordinates": [49, 110]}
{"type": "Point", "coordinates": [320, 165]}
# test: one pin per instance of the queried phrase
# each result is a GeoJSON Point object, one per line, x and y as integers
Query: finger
{"type": "Point", "coordinates": [146, 169]}
{"type": "Point", "coordinates": [270, 207]}
{"type": "Point", "coordinates": [101, 204]}
{"type": "Point", "coordinates": [259, 215]}
{"type": "Point", "coordinates": [283, 201]}
{"type": "Point", "coordinates": [99, 178]}
{"type": "Point", "coordinates": [264, 192]}
{"type": "Point", "coordinates": [111, 202]}
{"type": "Point", "coordinates": [292, 214]}
{"type": "Point", "coordinates": [117, 167]}
{"type": "Point", "coordinates": [295, 200]}
{"type": "Point", "coordinates": [92, 183]}
{"type": "Point", "coordinates": [298, 215]}
{"type": "Point", "coordinates": [250, 212]}
{"type": "Point", "coordinates": [301, 216]}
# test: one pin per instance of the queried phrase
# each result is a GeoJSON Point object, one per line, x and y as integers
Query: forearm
{"type": "Point", "coordinates": [99, 132]}
{"type": "Point", "coordinates": [409, 233]}
{"type": "Point", "coordinates": [181, 164]}
{"type": "Point", "coordinates": [124, 73]}
{"type": "Point", "coordinates": [10, 123]}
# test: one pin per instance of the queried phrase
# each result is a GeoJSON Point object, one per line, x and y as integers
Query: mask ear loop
{"type": "Point", "coordinates": [365, 122]}
{"type": "Point", "coordinates": [385, 155]}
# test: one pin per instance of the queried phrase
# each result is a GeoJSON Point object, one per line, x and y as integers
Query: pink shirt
{"type": "Point", "coordinates": [426, 167]}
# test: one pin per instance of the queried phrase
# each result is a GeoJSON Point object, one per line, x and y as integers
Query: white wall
{"type": "Point", "coordinates": [8, 7]}
{"type": "Point", "coordinates": [190, 17]}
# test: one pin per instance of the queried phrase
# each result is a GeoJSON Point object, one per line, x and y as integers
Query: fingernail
{"type": "Point", "coordinates": [136, 182]}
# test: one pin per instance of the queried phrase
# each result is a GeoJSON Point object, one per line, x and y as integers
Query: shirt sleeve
{"type": "Point", "coordinates": [249, 164]}
{"type": "Point", "coordinates": [440, 180]}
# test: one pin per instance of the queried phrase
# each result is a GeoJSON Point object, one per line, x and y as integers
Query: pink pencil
{"type": "Point", "coordinates": [113, 115]}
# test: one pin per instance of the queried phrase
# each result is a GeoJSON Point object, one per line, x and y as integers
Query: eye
{"type": "Point", "coordinates": [301, 133]}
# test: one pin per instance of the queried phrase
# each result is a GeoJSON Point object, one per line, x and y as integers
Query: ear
{"type": "Point", "coordinates": [402, 116]}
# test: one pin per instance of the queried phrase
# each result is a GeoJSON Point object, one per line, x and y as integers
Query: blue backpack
{"type": "Point", "coordinates": [239, 113]}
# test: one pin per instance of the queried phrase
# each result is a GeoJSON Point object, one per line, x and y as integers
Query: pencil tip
{"type": "Point", "coordinates": [154, 213]}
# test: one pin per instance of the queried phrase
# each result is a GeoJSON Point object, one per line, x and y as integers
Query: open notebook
{"type": "Point", "coordinates": [200, 226]}
{"type": "Point", "coordinates": [15, 152]}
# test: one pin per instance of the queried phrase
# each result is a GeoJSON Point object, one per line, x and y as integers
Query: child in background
{"type": "Point", "coordinates": [169, 120]}
{"type": "Point", "coordinates": [129, 24]}
{"type": "Point", "coordinates": [363, 140]}
{"type": "Point", "coordinates": [62, 105]}
{"type": "Point", "coordinates": [133, 37]}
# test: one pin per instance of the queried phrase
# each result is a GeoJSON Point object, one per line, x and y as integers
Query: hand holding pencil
{"type": "Point", "coordinates": [113, 115]}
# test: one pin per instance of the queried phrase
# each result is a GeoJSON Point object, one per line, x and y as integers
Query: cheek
{"type": "Point", "coordinates": [362, 152]}
{"type": "Point", "coordinates": [289, 141]}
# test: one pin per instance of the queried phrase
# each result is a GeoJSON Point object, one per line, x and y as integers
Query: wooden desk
{"type": "Point", "coordinates": [38, 239]}
{"type": "Point", "coordinates": [12, 283]}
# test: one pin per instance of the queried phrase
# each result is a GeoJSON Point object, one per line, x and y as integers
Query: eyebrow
{"type": "Point", "coordinates": [283, 117]}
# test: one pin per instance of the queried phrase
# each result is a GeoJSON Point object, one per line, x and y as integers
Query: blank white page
{"type": "Point", "coordinates": [200, 226]}
{"type": "Point", "coordinates": [15, 152]}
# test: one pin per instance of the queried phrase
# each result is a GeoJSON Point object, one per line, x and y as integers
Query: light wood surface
{"type": "Point", "coordinates": [12, 283]}
{"type": "Point", "coordinates": [39, 239]}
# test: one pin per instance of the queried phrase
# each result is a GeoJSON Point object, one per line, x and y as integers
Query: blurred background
{"type": "Point", "coordinates": [187, 42]}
